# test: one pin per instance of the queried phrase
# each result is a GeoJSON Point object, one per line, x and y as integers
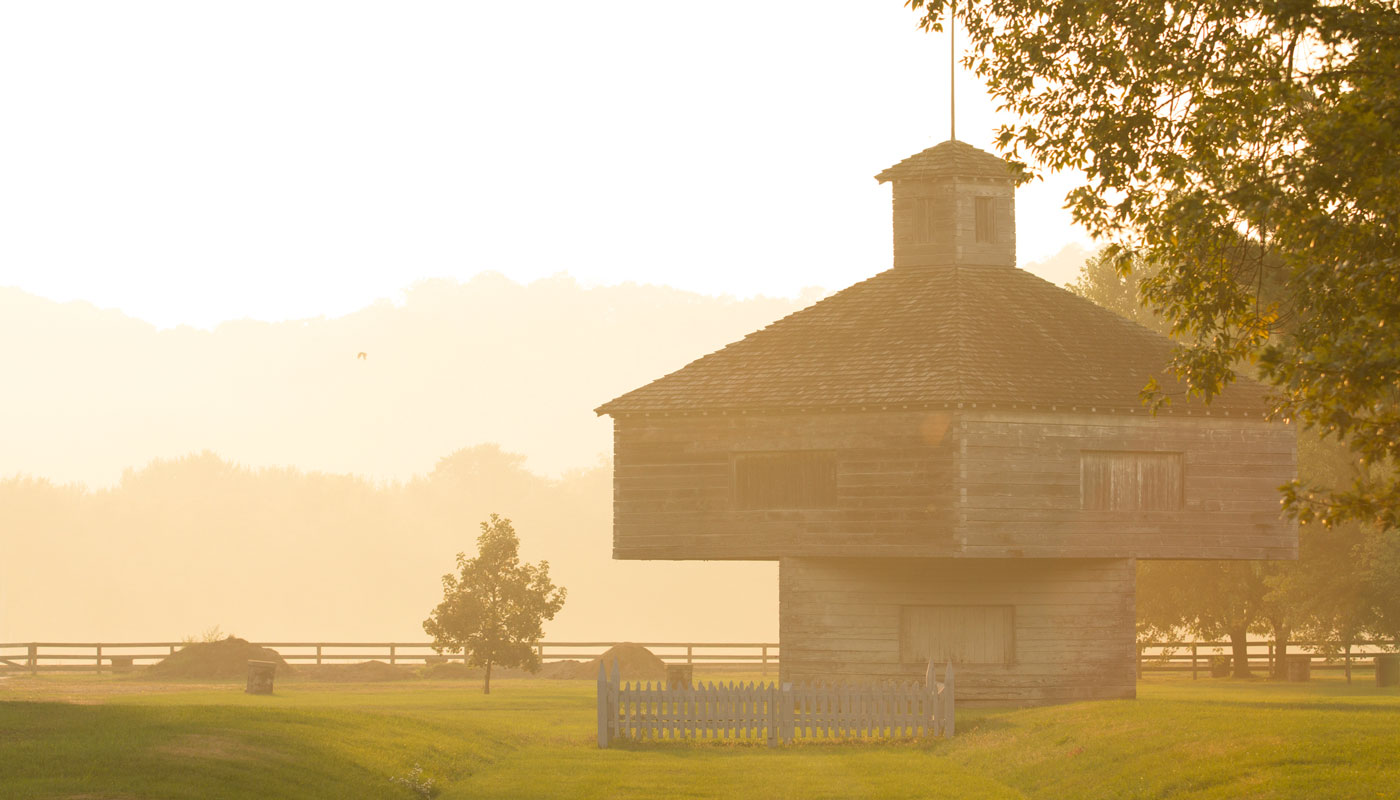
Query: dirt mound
{"type": "Point", "coordinates": [450, 671]}
{"type": "Point", "coordinates": [226, 658]}
{"type": "Point", "coordinates": [636, 663]}
{"type": "Point", "coordinates": [363, 672]}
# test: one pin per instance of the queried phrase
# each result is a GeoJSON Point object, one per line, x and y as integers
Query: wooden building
{"type": "Point", "coordinates": [949, 460]}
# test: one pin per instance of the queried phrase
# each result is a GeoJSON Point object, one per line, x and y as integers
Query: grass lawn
{"type": "Point", "coordinates": [120, 737]}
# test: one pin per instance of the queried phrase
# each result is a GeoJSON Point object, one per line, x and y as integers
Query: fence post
{"type": "Point", "coordinates": [33, 658]}
{"type": "Point", "coordinates": [392, 654]}
{"type": "Point", "coordinates": [318, 655]}
{"type": "Point", "coordinates": [99, 659]}
{"type": "Point", "coordinates": [604, 690]}
{"type": "Point", "coordinates": [774, 717]}
{"type": "Point", "coordinates": [789, 713]}
{"type": "Point", "coordinates": [1193, 662]}
{"type": "Point", "coordinates": [934, 725]}
{"type": "Point", "coordinates": [765, 659]}
{"type": "Point", "coordinates": [948, 701]}
{"type": "Point", "coordinates": [690, 654]}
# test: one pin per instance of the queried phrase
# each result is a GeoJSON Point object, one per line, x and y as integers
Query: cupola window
{"type": "Point", "coordinates": [986, 220]}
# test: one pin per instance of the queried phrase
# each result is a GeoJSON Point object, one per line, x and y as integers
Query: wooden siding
{"type": "Point", "coordinates": [1074, 638]}
{"type": "Point", "coordinates": [1019, 486]}
{"type": "Point", "coordinates": [977, 483]}
{"type": "Point", "coordinates": [673, 494]}
{"type": "Point", "coordinates": [935, 222]}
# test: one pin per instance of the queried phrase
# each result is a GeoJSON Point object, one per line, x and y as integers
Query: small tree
{"type": "Point", "coordinates": [494, 608]}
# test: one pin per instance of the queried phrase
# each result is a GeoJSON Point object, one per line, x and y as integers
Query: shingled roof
{"type": "Point", "coordinates": [949, 159]}
{"type": "Point", "coordinates": [923, 336]}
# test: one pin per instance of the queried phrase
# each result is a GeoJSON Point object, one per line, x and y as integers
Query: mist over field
{"type": "Point", "coordinates": [263, 478]}
{"type": "Point", "coordinates": [91, 393]}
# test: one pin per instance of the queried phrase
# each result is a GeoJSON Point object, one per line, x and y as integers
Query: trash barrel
{"type": "Point", "coordinates": [260, 677]}
{"type": "Point", "coordinates": [1388, 670]}
{"type": "Point", "coordinates": [678, 676]}
{"type": "Point", "coordinates": [1299, 668]}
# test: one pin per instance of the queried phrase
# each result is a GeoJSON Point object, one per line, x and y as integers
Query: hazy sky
{"type": "Point", "coordinates": [190, 162]}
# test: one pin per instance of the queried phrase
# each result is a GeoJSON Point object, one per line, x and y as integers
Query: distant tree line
{"type": "Point", "coordinates": [1345, 585]}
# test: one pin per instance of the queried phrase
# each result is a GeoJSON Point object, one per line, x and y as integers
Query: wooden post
{"type": "Point", "coordinates": [934, 725]}
{"type": "Point", "coordinates": [948, 701]}
{"type": "Point", "coordinates": [392, 657]}
{"type": "Point", "coordinates": [172, 649]}
{"type": "Point", "coordinates": [690, 654]}
{"type": "Point", "coordinates": [33, 658]}
{"type": "Point", "coordinates": [604, 688]}
{"type": "Point", "coordinates": [1193, 662]}
{"type": "Point", "coordinates": [318, 655]}
{"type": "Point", "coordinates": [765, 659]}
{"type": "Point", "coordinates": [99, 659]}
{"type": "Point", "coordinates": [774, 718]}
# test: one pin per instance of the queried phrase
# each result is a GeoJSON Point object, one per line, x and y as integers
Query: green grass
{"type": "Point", "coordinates": [116, 738]}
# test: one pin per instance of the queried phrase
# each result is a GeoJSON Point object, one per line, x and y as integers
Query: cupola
{"type": "Point", "coordinates": [953, 205]}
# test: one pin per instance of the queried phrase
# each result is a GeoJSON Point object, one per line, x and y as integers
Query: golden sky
{"type": "Point", "coordinates": [189, 163]}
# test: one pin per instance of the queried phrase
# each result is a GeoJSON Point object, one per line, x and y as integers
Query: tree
{"type": "Point", "coordinates": [1237, 145]}
{"type": "Point", "coordinates": [494, 608]}
{"type": "Point", "coordinates": [1210, 600]}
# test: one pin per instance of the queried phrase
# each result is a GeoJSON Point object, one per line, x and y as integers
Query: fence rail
{"type": "Point", "coordinates": [1261, 655]}
{"type": "Point", "coordinates": [103, 656]}
{"type": "Point", "coordinates": [774, 713]}
{"type": "Point", "coordinates": [1153, 656]}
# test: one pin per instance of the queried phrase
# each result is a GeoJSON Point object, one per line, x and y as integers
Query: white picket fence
{"type": "Point", "coordinates": [777, 714]}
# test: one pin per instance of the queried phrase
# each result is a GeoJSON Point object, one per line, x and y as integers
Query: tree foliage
{"type": "Point", "coordinates": [1238, 145]}
{"type": "Point", "coordinates": [1345, 585]}
{"type": "Point", "coordinates": [494, 607]}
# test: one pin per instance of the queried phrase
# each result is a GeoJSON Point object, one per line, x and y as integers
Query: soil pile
{"type": "Point", "coordinates": [451, 670]}
{"type": "Point", "coordinates": [226, 658]}
{"type": "Point", "coordinates": [636, 663]}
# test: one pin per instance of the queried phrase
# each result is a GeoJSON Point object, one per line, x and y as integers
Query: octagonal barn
{"type": "Point", "coordinates": [949, 461]}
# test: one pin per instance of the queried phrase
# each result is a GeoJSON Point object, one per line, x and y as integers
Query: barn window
{"type": "Point", "coordinates": [961, 634]}
{"type": "Point", "coordinates": [986, 220]}
{"type": "Point", "coordinates": [803, 479]}
{"type": "Point", "coordinates": [1128, 481]}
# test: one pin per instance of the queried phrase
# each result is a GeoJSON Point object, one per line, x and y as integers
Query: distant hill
{"type": "Point", "coordinates": [185, 544]}
{"type": "Point", "coordinates": [89, 392]}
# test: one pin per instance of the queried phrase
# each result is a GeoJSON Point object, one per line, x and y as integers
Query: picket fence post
{"type": "Point", "coordinates": [604, 690]}
{"type": "Point", "coordinates": [948, 701]}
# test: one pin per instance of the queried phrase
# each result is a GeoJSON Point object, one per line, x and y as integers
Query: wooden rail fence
{"type": "Point", "coordinates": [776, 714]}
{"type": "Point", "coordinates": [103, 656]}
{"type": "Point", "coordinates": [1196, 657]}
{"type": "Point", "coordinates": [1153, 656]}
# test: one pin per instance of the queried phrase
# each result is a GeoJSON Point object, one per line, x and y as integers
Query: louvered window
{"type": "Point", "coordinates": [986, 220]}
{"type": "Point", "coordinates": [1130, 481]}
{"type": "Point", "coordinates": [802, 479]}
{"type": "Point", "coordinates": [960, 634]}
